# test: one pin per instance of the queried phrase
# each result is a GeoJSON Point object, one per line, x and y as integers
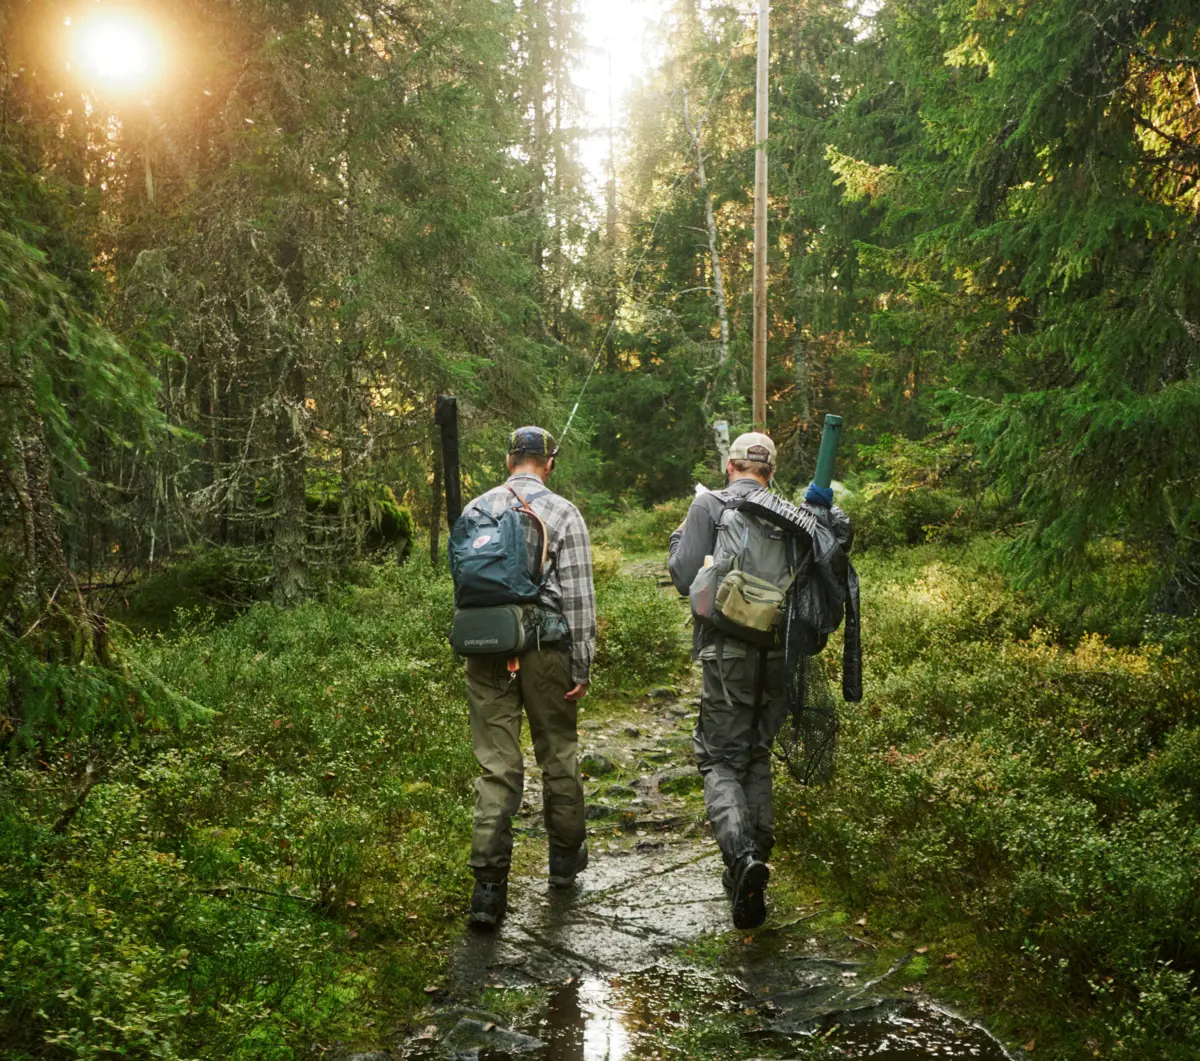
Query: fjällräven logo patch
{"type": "Point", "coordinates": [481, 541]}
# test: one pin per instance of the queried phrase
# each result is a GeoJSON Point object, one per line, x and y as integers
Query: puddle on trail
{"type": "Point", "coordinates": [613, 984]}
{"type": "Point", "coordinates": [627, 1016]}
{"type": "Point", "coordinates": [647, 1016]}
{"type": "Point", "coordinates": [667, 1012]}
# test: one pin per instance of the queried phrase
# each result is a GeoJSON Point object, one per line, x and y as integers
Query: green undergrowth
{"type": "Point", "coordinates": [1027, 798]}
{"type": "Point", "coordinates": [644, 532]}
{"type": "Point", "coordinates": [1110, 587]}
{"type": "Point", "coordinates": [285, 876]}
{"type": "Point", "coordinates": [641, 638]}
{"type": "Point", "coordinates": [223, 581]}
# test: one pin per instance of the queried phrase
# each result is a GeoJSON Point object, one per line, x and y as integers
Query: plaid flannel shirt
{"type": "Point", "coordinates": [567, 586]}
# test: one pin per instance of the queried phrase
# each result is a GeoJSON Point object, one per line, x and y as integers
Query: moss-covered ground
{"type": "Point", "coordinates": [288, 871]}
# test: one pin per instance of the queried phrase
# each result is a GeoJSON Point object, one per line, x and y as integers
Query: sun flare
{"type": "Point", "coordinates": [120, 50]}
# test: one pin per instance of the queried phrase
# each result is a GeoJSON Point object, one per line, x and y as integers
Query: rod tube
{"type": "Point", "coordinates": [830, 437]}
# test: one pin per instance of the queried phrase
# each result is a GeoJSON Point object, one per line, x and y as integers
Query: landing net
{"type": "Point", "coordinates": [807, 741]}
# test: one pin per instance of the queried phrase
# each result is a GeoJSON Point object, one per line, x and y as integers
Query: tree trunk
{"type": "Point", "coordinates": [18, 578]}
{"type": "Point", "coordinates": [32, 566]}
{"type": "Point", "coordinates": [31, 559]}
{"type": "Point", "coordinates": [537, 90]}
{"type": "Point", "coordinates": [560, 96]}
{"type": "Point", "coordinates": [711, 225]}
{"type": "Point", "coordinates": [287, 552]}
{"type": "Point", "coordinates": [291, 451]}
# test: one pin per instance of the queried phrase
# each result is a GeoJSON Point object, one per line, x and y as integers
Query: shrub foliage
{"type": "Point", "coordinates": [271, 879]}
{"type": "Point", "coordinates": [1042, 793]}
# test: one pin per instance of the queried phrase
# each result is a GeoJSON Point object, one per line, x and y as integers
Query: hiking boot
{"type": "Point", "coordinates": [489, 902]}
{"type": "Point", "coordinates": [565, 865]}
{"type": "Point", "coordinates": [749, 893]}
{"type": "Point", "coordinates": [727, 880]}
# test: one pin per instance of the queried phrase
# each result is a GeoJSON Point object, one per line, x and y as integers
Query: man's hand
{"type": "Point", "coordinates": [578, 693]}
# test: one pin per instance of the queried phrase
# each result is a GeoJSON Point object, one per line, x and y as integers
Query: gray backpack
{"type": "Point", "coordinates": [743, 591]}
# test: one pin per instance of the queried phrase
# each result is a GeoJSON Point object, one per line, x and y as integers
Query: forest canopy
{"type": "Point", "coordinates": [234, 288]}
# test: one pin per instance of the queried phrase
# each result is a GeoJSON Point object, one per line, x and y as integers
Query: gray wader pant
{"type": "Point", "coordinates": [496, 702]}
{"type": "Point", "coordinates": [733, 750]}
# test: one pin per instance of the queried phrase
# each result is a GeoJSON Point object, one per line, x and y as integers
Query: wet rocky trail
{"type": "Point", "coordinates": [640, 960]}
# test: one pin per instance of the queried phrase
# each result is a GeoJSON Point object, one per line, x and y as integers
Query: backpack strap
{"type": "Point", "coordinates": [525, 507]}
{"type": "Point", "coordinates": [719, 642]}
{"type": "Point", "coordinates": [760, 680]}
{"type": "Point", "coordinates": [727, 503]}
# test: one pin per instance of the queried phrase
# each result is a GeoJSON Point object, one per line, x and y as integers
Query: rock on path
{"type": "Point", "coordinates": [625, 912]}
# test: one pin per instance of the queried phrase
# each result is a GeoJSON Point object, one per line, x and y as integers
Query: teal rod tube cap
{"type": "Point", "coordinates": [830, 437]}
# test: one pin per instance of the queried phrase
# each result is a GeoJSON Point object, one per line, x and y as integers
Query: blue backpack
{"type": "Point", "coordinates": [490, 567]}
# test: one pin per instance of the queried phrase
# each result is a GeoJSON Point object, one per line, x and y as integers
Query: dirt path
{"type": "Point", "coordinates": [640, 960]}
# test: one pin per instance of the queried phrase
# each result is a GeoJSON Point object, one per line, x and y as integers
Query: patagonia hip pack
{"type": "Point", "coordinates": [492, 581]}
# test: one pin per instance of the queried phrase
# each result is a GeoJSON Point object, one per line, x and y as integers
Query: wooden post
{"type": "Point", "coordinates": [446, 417]}
{"type": "Point", "coordinates": [435, 501]}
{"type": "Point", "coordinates": [760, 219]}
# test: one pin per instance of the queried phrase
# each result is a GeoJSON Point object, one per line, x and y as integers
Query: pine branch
{"type": "Point", "coordinates": [1171, 138]}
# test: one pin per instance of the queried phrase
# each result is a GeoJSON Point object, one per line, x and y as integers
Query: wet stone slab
{"type": "Point", "coordinates": [608, 950]}
{"type": "Point", "coordinates": [472, 1038]}
{"type": "Point", "coordinates": [624, 912]}
{"type": "Point", "coordinates": [915, 1031]}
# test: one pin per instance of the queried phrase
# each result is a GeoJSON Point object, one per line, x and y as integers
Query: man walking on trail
{"type": "Point", "coordinates": [547, 679]}
{"type": "Point", "coordinates": [743, 701]}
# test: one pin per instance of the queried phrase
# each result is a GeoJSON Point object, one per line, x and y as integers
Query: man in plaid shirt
{"type": "Point", "coordinates": [551, 680]}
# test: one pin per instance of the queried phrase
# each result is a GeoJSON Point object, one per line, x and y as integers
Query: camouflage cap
{"type": "Point", "coordinates": [535, 441]}
{"type": "Point", "coordinates": [753, 446]}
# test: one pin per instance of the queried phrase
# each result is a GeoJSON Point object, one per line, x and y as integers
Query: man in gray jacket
{"type": "Point", "coordinates": [743, 702]}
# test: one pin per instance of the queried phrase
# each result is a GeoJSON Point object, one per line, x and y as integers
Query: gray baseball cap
{"type": "Point", "coordinates": [753, 446]}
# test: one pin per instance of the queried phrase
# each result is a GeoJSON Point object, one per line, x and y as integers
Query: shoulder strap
{"type": "Point", "coordinates": [524, 507]}
{"type": "Point", "coordinates": [726, 502]}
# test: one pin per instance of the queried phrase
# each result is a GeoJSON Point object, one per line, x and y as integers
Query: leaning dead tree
{"type": "Point", "coordinates": [711, 226]}
{"type": "Point", "coordinates": [720, 427]}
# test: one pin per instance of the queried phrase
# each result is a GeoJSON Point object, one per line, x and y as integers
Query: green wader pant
{"type": "Point", "coordinates": [732, 743]}
{"type": "Point", "coordinates": [496, 699]}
